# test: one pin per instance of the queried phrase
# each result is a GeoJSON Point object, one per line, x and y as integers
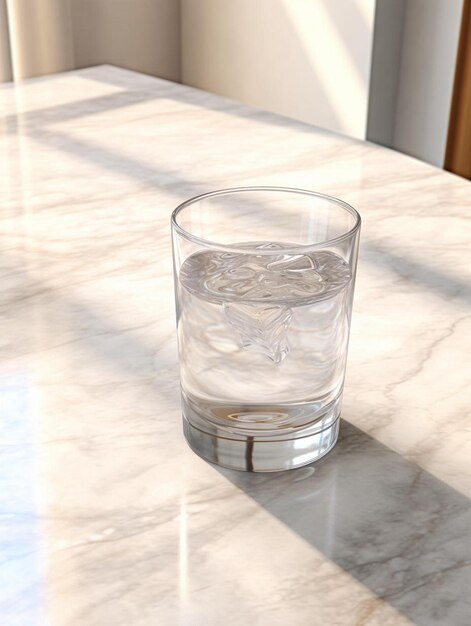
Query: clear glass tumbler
{"type": "Point", "coordinates": [264, 280]}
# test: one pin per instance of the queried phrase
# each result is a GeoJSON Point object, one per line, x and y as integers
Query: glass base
{"type": "Point", "coordinates": [267, 454]}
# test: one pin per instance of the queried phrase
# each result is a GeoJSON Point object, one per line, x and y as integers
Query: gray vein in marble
{"type": "Point", "coordinates": [411, 270]}
{"type": "Point", "coordinates": [423, 358]}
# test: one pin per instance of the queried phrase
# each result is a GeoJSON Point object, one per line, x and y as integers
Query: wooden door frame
{"type": "Point", "coordinates": [458, 148]}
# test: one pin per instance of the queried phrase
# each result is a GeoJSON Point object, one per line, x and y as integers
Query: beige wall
{"type": "Point", "coordinates": [6, 72]}
{"type": "Point", "coordinates": [40, 37]}
{"type": "Point", "coordinates": [45, 36]}
{"type": "Point", "coordinates": [142, 35]}
{"type": "Point", "coordinates": [308, 59]}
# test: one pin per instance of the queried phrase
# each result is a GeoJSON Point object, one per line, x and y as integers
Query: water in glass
{"type": "Point", "coordinates": [262, 337]}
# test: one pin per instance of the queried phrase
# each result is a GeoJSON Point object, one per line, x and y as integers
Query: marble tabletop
{"type": "Point", "coordinates": [106, 516]}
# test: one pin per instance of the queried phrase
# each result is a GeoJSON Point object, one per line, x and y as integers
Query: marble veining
{"type": "Point", "coordinates": [106, 516]}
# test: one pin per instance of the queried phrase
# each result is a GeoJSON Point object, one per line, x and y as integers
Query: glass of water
{"type": "Point", "coordinates": [264, 280]}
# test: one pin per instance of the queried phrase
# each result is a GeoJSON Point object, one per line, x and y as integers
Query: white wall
{"type": "Point", "coordinates": [429, 45]}
{"type": "Point", "coordinates": [308, 59]}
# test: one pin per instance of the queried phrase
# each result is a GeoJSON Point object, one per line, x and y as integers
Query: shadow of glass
{"type": "Point", "coordinates": [397, 529]}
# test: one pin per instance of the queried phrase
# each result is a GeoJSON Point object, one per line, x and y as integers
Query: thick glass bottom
{"type": "Point", "coordinates": [253, 453]}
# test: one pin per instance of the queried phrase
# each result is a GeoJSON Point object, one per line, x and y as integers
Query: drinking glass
{"type": "Point", "coordinates": [264, 280]}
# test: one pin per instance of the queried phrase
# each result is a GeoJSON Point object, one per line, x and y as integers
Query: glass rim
{"type": "Point", "coordinates": [294, 250]}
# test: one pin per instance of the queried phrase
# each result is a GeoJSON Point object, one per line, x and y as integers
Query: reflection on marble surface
{"type": "Point", "coordinates": [106, 516]}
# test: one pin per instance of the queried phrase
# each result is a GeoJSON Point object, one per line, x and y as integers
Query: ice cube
{"type": "Point", "coordinates": [261, 328]}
